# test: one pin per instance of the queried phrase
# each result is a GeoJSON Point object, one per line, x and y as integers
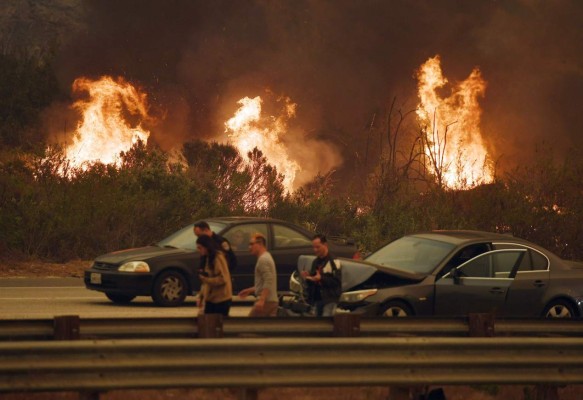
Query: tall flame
{"type": "Point", "coordinates": [454, 145]}
{"type": "Point", "coordinates": [103, 131]}
{"type": "Point", "coordinates": [248, 129]}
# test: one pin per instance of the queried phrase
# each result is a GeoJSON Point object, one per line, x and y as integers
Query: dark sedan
{"type": "Point", "coordinates": [453, 273]}
{"type": "Point", "coordinates": [167, 271]}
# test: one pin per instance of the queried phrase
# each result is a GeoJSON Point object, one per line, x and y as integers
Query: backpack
{"type": "Point", "coordinates": [225, 246]}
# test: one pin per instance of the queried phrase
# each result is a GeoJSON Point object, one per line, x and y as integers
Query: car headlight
{"type": "Point", "coordinates": [357, 296]}
{"type": "Point", "coordinates": [134, 266]}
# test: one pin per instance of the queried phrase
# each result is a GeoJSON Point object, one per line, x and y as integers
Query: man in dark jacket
{"type": "Point", "coordinates": [203, 228]}
{"type": "Point", "coordinates": [324, 279]}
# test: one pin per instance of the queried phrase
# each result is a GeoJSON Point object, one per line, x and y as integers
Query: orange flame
{"type": "Point", "coordinates": [248, 129]}
{"type": "Point", "coordinates": [103, 131]}
{"type": "Point", "coordinates": [454, 145]}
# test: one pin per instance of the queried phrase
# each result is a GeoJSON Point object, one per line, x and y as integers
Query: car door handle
{"type": "Point", "coordinates": [497, 290]}
{"type": "Point", "coordinates": [539, 283]}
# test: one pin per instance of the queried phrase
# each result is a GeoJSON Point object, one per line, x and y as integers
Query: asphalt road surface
{"type": "Point", "coordinates": [46, 298]}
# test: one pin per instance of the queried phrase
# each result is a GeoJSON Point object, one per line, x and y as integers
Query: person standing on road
{"type": "Point", "coordinates": [216, 292]}
{"type": "Point", "coordinates": [324, 279]}
{"type": "Point", "coordinates": [202, 228]}
{"type": "Point", "coordinates": [265, 288]}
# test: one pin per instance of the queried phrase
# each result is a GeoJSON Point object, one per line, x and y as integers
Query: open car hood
{"type": "Point", "coordinates": [355, 272]}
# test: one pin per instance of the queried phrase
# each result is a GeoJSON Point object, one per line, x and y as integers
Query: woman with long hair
{"type": "Point", "coordinates": [216, 292]}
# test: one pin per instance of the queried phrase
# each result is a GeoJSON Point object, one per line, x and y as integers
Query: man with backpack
{"type": "Point", "coordinates": [203, 228]}
{"type": "Point", "coordinates": [324, 279]}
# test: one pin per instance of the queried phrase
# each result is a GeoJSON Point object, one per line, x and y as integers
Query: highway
{"type": "Point", "coordinates": [46, 298]}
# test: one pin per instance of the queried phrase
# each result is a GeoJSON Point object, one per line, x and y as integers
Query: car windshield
{"type": "Point", "coordinates": [411, 254]}
{"type": "Point", "coordinates": [185, 238]}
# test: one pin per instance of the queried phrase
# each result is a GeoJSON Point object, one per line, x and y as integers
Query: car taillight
{"type": "Point", "coordinates": [357, 256]}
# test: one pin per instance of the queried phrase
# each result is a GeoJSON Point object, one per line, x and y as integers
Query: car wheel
{"type": "Point", "coordinates": [119, 298]}
{"type": "Point", "coordinates": [169, 289]}
{"type": "Point", "coordinates": [394, 309]}
{"type": "Point", "coordinates": [560, 309]}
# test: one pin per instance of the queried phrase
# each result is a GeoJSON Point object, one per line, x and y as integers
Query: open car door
{"type": "Point", "coordinates": [479, 285]}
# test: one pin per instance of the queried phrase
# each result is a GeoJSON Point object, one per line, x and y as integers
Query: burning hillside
{"type": "Point", "coordinates": [453, 142]}
{"type": "Point", "coordinates": [105, 130]}
{"type": "Point", "coordinates": [113, 114]}
{"type": "Point", "coordinates": [249, 129]}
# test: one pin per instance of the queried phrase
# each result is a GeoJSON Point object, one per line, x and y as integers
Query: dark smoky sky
{"type": "Point", "coordinates": [339, 60]}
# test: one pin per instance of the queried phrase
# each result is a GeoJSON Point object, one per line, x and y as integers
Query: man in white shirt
{"type": "Point", "coordinates": [265, 288]}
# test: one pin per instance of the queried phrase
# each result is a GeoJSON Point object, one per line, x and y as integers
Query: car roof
{"type": "Point", "coordinates": [464, 236]}
{"type": "Point", "coordinates": [233, 220]}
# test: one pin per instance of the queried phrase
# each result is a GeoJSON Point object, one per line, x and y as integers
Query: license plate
{"type": "Point", "coordinates": [95, 278]}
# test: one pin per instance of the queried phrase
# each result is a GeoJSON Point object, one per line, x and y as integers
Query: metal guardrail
{"type": "Point", "coordinates": [96, 355]}
{"type": "Point", "coordinates": [275, 362]}
{"type": "Point", "coordinates": [109, 328]}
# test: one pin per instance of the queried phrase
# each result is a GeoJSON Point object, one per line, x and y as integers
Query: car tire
{"type": "Point", "coordinates": [169, 289]}
{"type": "Point", "coordinates": [395, 309]}
{"type": "Point", "coordinates": [560, 309]}
{"type": "Point", "coordinates": [119, 298]}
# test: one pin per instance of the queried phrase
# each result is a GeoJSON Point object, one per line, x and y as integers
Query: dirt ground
{"type": "Point", "coordinates": [40, 269]}
{"type": "Point", "coordinates": [11, 268]}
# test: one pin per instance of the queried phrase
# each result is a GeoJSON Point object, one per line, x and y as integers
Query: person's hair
{"type": "Point", "coordinates": [211, 246]}
{"type": "Point", "coordinates": [202, 225]}
{"type": "Point", "coordinates": [322, 238]}
{"type": "Point", "coordinates": [258, 237]}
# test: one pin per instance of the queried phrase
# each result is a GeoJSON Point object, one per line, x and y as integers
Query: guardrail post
{"type": "Point", "coordinates": [547, 392]}
{"type": "Point", "coordinates": [248, 394]}
{"type": "Point", "coordinates": [66, 327]}
{"type": "Point", "coordinates": [481, 325]}
{"type": "Point", "coordinates": [210, 326]}
{"type": "Point", "coordinates": [89, 396]}
{"type": "Point", "coordinates": [346, 325]}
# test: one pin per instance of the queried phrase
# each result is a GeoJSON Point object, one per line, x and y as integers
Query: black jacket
{"type": "Point", "coordinates": [225, 246]}
{"type": "Point", "coordinates": [329, 289]}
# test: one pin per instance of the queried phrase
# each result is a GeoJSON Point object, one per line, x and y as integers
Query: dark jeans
{"type": "Point", "coordinates": [218, 308]}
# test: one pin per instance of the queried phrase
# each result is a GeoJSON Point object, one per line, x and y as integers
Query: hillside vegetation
{"type": "Point", "coordinates": [51, 211]}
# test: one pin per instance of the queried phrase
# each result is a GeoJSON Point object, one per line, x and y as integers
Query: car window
{"type": "Point", "coordinates": [216, 226]}
{"type": "Point", "coordinates": [287, 237]}
{"type": "Point", "coordinates": [533, 261]}
{"type": "Point", "coordinates": [539, 261]}
{"type": "Point", "coordinates": [412, 254]}
{"type": "Point", "coordinates": [185, 237]}
{"type": "Point", "coordinates": [464, 255]}
{"type": "Point", "coordinates": [181, 239]}
{"type": "Point", "coordinates": [480, 267]}
{"type": "Point", "coordinates": [495, 264]}
{"type": "Point", "coordinates": [504, 263]}
{"type": "Point", "coordinates": [240, 235]}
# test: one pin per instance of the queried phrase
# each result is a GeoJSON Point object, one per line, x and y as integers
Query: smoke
{"type": "Point", "coordinates": [341, 61]}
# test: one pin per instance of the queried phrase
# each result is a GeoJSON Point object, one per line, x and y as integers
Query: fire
{"type": "Point", "coordinates": [248, 129]}
{"type": "Point", "coordinates": [454, 145]}
{"type": "Point", "coordinates": [103, 131]}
